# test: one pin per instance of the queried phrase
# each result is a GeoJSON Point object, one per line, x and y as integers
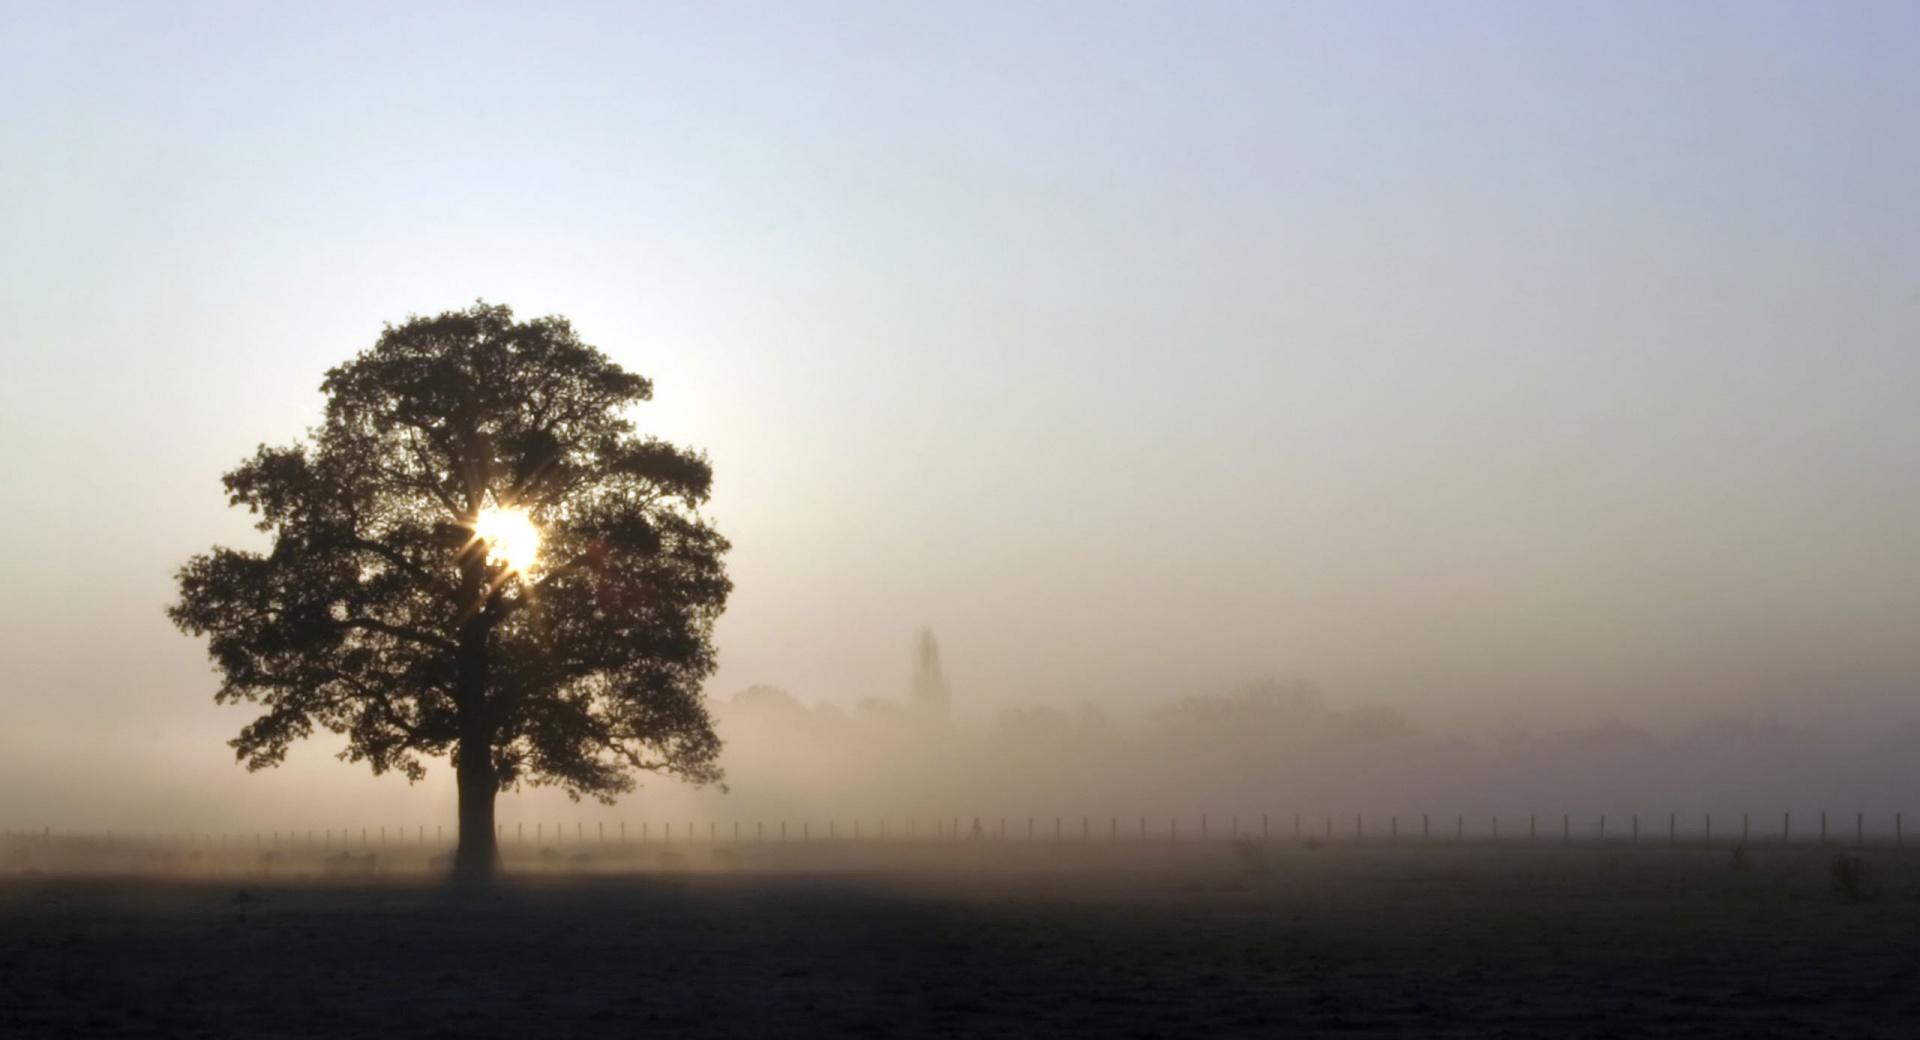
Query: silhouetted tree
{"type": "Point", "coordinates": [398, 605]}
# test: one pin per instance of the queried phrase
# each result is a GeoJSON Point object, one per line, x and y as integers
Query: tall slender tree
{"type": "Point", "coordinates": [474, 555]}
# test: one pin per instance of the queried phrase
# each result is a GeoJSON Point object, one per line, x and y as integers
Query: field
{"type": "Point", "coordinates": [966, 939]}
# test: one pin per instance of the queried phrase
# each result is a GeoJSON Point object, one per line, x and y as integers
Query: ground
{"type": "Point", "coordinates": [979, 941]}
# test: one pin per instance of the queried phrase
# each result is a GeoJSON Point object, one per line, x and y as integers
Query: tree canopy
{"type": "Point", "coordinates": [380, 613]}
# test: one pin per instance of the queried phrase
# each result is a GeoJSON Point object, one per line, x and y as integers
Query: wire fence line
{"type": "Point", "coordinates": [1672, 828]}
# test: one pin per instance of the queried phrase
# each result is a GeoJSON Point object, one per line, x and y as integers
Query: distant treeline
{"type": "Point", "coordinates": [1272, 747]}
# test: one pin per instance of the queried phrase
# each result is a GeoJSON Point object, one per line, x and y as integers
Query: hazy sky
{"type": "Point", "coordinates": [1523, 361]}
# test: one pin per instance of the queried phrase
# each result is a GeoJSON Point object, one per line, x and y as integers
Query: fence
{"type": "Point", "coordinates": [1324, 828]}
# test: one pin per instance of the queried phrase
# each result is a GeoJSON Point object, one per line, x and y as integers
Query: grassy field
{"type": "Point", "coordinates": [977, 941]}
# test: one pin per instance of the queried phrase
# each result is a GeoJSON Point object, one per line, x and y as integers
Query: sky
{"type": "Point", "coordinates": [1507, 364]}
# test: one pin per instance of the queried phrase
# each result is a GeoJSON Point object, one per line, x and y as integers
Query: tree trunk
{"type": "Point", "coordinates": [478, 855]}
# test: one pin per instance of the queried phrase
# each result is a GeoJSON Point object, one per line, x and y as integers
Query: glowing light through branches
{"type": "Point", "coordinates": [510, 536]}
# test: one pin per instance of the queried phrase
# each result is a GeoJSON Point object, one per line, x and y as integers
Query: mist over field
{"type": "Point", "coordinates": [1281, 748]}
{"type": "Point", "coordinates": [1233, 753]}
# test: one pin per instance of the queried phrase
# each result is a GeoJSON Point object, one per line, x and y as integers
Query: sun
{"type": "Point", "coordinates": [510, 536]}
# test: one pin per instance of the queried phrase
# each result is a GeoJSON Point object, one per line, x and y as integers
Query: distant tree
{"type": "Point", "coordinates": [474, 555]}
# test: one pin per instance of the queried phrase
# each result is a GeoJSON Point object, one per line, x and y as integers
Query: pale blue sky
{"type": "Point", "coordinates": [1531, 360]}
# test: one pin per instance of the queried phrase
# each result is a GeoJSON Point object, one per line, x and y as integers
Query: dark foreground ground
{"type": "Point", "coordinates": [1323, 942]}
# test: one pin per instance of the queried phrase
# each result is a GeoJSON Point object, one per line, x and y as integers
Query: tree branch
{"type": "Point", "coordinates": [406, 632]}
{"type": "Point", "coordinates": [419, 573]}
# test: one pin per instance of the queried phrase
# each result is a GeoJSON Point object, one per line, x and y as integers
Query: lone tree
{"type": "Point", "coordinates": [473, 555]}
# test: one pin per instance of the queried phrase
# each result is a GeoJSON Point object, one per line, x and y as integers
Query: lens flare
{"type": "Point", "coordinates": [510, 536]}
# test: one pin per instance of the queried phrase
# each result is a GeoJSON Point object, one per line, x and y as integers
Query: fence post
{"type": "Point", "coordinates": [1533, 821]}
{"type": "Point", "coordinates": [1823, 827]}
{"type": "Point", "coordinates": [1357, 833]}
{"type": "Point", "coordinates": [1296, 826]}
{"type": "Point", "coordinates": [1673, 828]}
{"type": "Point", "coordinates": [1393, 829]}
{"type": "Point", "coordinates": [1203, 826]}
